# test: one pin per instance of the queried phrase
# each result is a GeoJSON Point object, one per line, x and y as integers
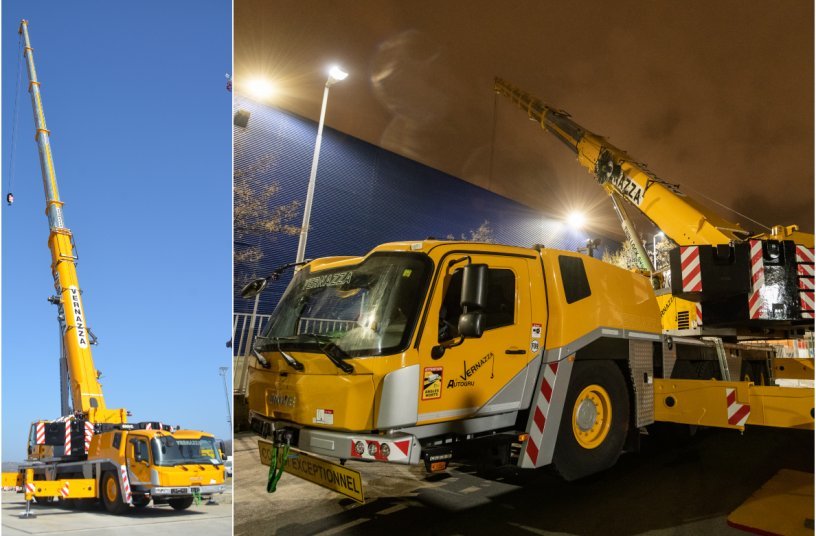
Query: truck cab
{"type": "Point", "coordinates": [392, 356]}
{"type": "Point", "coordinates": [163, 466]}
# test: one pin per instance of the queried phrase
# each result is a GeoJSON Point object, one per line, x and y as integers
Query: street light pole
{"type": "Point", "coordinates": [223, 372]}
{"type": "Point", "coordinates": [335, 75]}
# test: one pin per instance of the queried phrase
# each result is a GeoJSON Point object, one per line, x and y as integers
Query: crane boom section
{"type": "Point", "coordinates": [681, 218]}
{"type": "Point", "coordinates": [86, 391]}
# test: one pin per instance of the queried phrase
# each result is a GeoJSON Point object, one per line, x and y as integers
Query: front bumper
{"type": "Point", "coordinates": [391, 448]}
{"type": "Point", "coordinates": [185, 491]}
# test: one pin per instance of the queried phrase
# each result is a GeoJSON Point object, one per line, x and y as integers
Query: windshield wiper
{"type": "Point", "coordinates": [332, 351]}
{"type": "Point", "coordinates": [291, 361]}
{"type": "Point", "coordinates": [256, 286]}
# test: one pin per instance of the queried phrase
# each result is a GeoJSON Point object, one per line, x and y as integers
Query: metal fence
{"type": "Point", "coordinates": [245, 327]}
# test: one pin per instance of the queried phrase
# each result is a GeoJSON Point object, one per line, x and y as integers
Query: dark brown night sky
{"type": "Point", "coordinates": [715, 96]}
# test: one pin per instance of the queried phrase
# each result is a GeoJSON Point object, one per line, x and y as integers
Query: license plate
{"type": "Point", "coordinates": [178, 491]}
{"type": "Point", "coordinates": [322, 472]}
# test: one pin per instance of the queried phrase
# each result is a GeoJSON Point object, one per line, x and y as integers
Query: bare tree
{"type": "Point", "coordinates": [256, 213]}
{"type": "Point", "coordinates": [483, 234]}
{"type": "Point", "coordinates": [627, 256]}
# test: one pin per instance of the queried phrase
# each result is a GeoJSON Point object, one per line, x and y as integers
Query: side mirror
{"type": "Point", "coordinates": [253, 288]}
{"type": "Point", "coordinates": [472, 324]}
{"type": "Point", "coordinates": [474, 286]}
{"type": "Point", "coordinates": [474, 299]}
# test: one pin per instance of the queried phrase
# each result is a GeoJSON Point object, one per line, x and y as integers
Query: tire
{"type": "Point", "coordinates": [595, 420]}
{"type": "Point", "coordinates": [140, 502]}
{"type": "Point", "coordinates": [181, 504]}
{"type": "Point", "coordinates": [112, 494]}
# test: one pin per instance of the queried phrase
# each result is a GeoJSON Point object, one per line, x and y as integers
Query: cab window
{"type": "Point", "coordinates": [499, 311]}
{"type": "Point", "coordinates": [140, 450]}
{"type": "Point", "coordinates": [573, 275]}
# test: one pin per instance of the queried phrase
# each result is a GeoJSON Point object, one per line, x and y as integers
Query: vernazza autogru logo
{"type": "Point", "coordinates": [78, 317]}
{"type": "Point", "coordinates": [464, 379]}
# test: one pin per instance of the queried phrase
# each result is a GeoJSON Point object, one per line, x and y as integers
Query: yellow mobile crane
{"type": "Point", "coordinates": [425, 352]}
{"type": "Point", "coordinates": [92, 452]}
{"type": "Point", "coordinates": [430, 351]}
{"type": "Point", "coordinates": [740, 283]}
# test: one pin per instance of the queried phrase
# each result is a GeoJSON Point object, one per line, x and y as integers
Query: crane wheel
{"type": "Point", "coordinates": [181, 504]}
{"type": "Point", "coordinates": [112, 494]}
{"type": "Point", "coordinates": [594, 422]}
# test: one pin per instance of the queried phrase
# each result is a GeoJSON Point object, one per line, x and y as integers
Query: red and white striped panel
{"type": "Point", "coordinates": [67, 438]}
{"type": "Point", "coordinates": [690, 269]}
{"type": "Point", "coordinates": [806, 301]}
{"type": "Point", "coordinates": [805, 271]}
{"type": "Point", "coordinates": [737, 413]}
{"type": "Point", "coordinates": [149, 426]}
{"type": "Point", "coordinates": [89, 432]}
{"type": "Point", "coordinates": [126, 485]}
{"type": "Point", "coordinates": [30, 487]}
{"type": "Point", "coordinates": [40, 433]}
{"type": "Point", "coordinates": [756, 303]}
{"type": "Point", "coordinates": [381, 450]}
{"type": "Point", "coordinates": [805, 254]}
{"type": "Point", "coordinates": [65, 489]}
{"type": "Point", "coordinates": [699, 310]}
{"type": "Point", "coordinates": [530, 457]}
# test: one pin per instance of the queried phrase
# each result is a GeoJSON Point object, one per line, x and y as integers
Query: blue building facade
{"type": "Point", "coordinates": [364, 196]}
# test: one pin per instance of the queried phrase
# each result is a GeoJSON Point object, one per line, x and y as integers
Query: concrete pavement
{"type": "Point", "coordinates": [202, 520]}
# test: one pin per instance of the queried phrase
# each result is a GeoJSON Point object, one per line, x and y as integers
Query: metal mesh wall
{"type": "Point", "coordinates": [364, 196]}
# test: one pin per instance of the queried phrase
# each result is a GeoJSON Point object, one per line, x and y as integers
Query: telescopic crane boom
{"type": "Point", "coordinates": [86, 391]}
{"type": "Point", "coordinates": [739, 278]}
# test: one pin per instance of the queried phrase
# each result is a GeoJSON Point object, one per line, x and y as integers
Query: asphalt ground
{"type": "Point", "coordinates": [678, 484]}
{"type": "Point", "coordinates": [201, 520]}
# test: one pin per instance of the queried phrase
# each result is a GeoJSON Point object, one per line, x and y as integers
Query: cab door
{"type": "Point", "coordinates": [139, 459]}
{"type": "Point", "coordinates": [465, 380]}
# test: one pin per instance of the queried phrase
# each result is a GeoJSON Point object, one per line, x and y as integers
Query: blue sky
{"type": "Point", "coordinates": [140, 126]}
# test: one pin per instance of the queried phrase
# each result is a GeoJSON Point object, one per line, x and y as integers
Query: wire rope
{"type": "Point", "coordinates": [14, 120]}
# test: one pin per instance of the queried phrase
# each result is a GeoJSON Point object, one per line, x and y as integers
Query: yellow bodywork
{"type": "Point", "coordinates": [472, 373]}
{"type": "Point", "coordinates": [11, 480]}
{"type": "Point", "coordinates": [677, 313]}
{"type": "Point", "coordinates": [102, 447]}
{"type": "Point", "coordinates": [85, 387]}
{"type": "Point", "coordinates": [76, 488]}
{"type": "Point", "coordinates": [704, 403]}
{"type": "Point", "coordinates": [790, 368]}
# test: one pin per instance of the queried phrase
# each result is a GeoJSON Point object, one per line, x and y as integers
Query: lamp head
{"type": "Point", "coordinates": [336, 74]}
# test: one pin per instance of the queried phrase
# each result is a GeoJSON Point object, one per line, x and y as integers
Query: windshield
{"type": "Point", "coordinates": [168, 450]}
{"type": "Point", "coordinates": [367, 309]}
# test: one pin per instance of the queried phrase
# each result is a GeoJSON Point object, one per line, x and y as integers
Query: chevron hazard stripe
{"type": "Point", "coordinates": [805, 254]}
{"type": "Point", "coordinates": [540, 415]}
{"type": "Point", "coordinates": [737, 413]}
{"type": "Point", "coordinates": [67, 438]}
{"type": "Point", "coordinates": [756, 303]}
{"type": "Point", "coordinates": [126, 485]}
{"type": "Point", "coordinates": [690, 269]}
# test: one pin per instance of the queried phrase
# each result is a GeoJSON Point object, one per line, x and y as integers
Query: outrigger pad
{"type": "Point", "coordinates": [783, 505]}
